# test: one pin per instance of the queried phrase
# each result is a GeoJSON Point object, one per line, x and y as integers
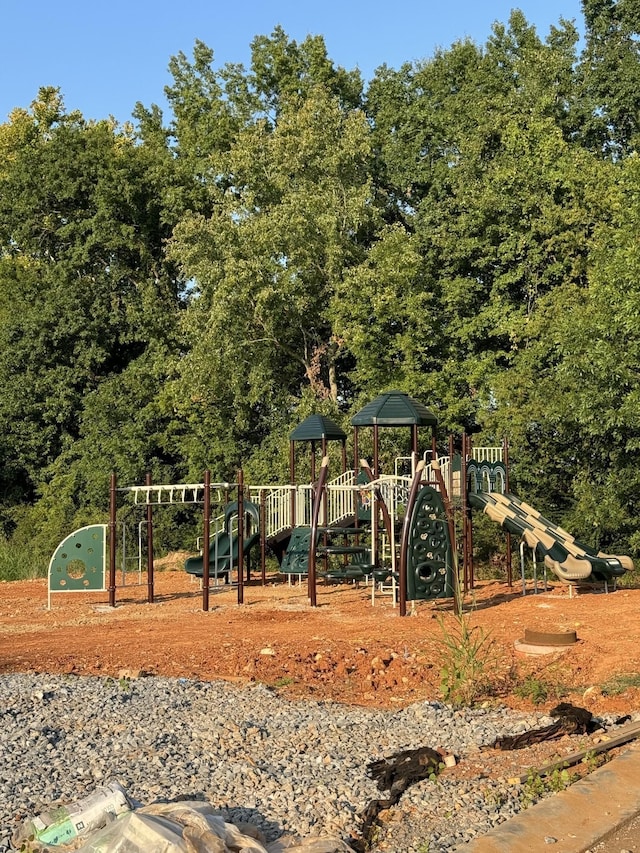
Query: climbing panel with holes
{"type": "Point", "coordinates": [430, 553]}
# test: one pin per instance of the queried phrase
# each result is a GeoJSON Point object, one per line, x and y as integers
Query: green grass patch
{"type": "Point", "coordinates": [536, 787]}
{"type": "Point", "coordinates": [620, 683]}
{"type": "Point", "coordinates": [538, 691]}
{"type": "Point", "coordinates": [20, 562]}
{"type": "Point", "coordinates": [284, 681]}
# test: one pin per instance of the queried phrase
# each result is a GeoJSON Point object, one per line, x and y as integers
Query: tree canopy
{"type": "Point", "coordinates": [180, 292]}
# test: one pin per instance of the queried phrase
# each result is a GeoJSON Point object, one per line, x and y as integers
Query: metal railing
{"type": "Point", "coordinates": [277, 506]}
{"type": "Point", "coordinates": [487, 454]}
{"type": "Point", "coordinates": [281, 502]}
{"type": "Point", "coordinates": [394, 491]}
{"type": "Point", "coordinates": [341, 498]}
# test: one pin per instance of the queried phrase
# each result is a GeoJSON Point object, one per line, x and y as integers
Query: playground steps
{"type": "Point", "coordinates": [358, 564]}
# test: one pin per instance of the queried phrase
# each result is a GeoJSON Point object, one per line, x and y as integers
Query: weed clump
{"type": "Point", "coordinates": [468, 660]}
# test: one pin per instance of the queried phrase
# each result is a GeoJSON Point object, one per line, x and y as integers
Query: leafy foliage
{"type": "Point", "coordinates": [180, 294]}
{"type": "Point", "coordinates": [468, 661]}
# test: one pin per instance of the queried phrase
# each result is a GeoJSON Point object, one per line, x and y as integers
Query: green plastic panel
{"type": "Point", "coordinates": [430, 553]}
{"type": "Point", "coordinates": [296, 557]}
{"type": "Point", "coordinates": [486, 477]}
{"type": "Point", "coordinates": [79, 561]}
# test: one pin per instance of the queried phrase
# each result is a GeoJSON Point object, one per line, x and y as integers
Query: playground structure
{"type": "Point", "coordinates": [569, 559]}
{"type": "Point", "coordinates": [409, 532]}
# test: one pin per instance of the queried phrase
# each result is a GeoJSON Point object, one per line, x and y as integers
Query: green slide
{"type": "Point", "coordinates": [568, 558]}
{"type": "Point", "coordinates": [223, 548]}
{"type": "Point", "coordinates": [223, 555]}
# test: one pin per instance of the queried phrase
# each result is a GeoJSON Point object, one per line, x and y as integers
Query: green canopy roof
{"type": "Point", "coordinates": [394, 409]}
{"type": "Point", "coordinates": [317, 427]}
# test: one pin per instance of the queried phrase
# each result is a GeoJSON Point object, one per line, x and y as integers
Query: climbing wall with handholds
{"type": "Point", "coordinates": [79, 562]}
{"type": "Point", "coordinates": [430, 551]}
{"type": "Point", "coordinates": [296, 558]}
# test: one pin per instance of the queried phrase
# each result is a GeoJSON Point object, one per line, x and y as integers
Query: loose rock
{"type": "Point", "coordinates": [283, 766]}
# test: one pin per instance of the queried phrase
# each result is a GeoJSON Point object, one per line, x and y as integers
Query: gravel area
{"type": "Point", "coordinates": [295, 767]}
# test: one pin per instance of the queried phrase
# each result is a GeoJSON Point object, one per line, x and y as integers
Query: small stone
{"type": "Point", "coordinates": [549, 839]}
{"type": "Point", "coordinates": [129, 673]}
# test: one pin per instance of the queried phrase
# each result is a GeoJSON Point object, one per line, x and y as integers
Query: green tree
{"type": "Point", "coordinates": [286, 222]}
{"type": "Point", "coordinates": [283, 70]}
{"type": "Point", "coordinates": [610, 71]}
{"type": "Point", "coordinates": [478, 165]}
{"type": "Point", "coordinates": [570, 396]}
{"type": "Point", "coordinates": [86, 286]}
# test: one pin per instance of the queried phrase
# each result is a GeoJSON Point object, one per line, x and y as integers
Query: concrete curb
{"type": "Point", "coordinates": [578, 818]}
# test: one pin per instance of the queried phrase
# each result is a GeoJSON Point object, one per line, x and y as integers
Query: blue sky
{"type": "Point", "coordinates": [106, 56]}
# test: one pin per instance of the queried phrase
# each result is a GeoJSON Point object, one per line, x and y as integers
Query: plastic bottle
{"type": "Point", "coordinates": [61, 825]}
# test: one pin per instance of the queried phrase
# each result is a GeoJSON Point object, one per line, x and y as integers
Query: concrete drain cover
{"type": "Point", "coordinates": [550, 638]}
{"type": "Point", "coordinates": [545, 642]}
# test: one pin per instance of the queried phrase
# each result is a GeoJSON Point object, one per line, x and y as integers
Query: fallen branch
{"type": "Point", "coordinates": [628, 733]}
{"type": "Point", "coordinates": [571, 720]}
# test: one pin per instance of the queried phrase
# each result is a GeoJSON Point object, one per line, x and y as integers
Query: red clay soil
{"type": "Point", "coordinates": [344, 649]}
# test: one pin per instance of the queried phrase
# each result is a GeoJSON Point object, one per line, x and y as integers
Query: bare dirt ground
{"type": "Point", "coordinates": [344, 650]}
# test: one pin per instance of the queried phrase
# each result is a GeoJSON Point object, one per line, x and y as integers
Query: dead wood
{"type": "Point", "coordinates": [395, 774]}
{"type": "Point", "coordinates": [572, 720]}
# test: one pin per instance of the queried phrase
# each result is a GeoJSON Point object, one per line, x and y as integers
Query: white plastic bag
{"type": "Point", "coordinates": [181, 827]}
